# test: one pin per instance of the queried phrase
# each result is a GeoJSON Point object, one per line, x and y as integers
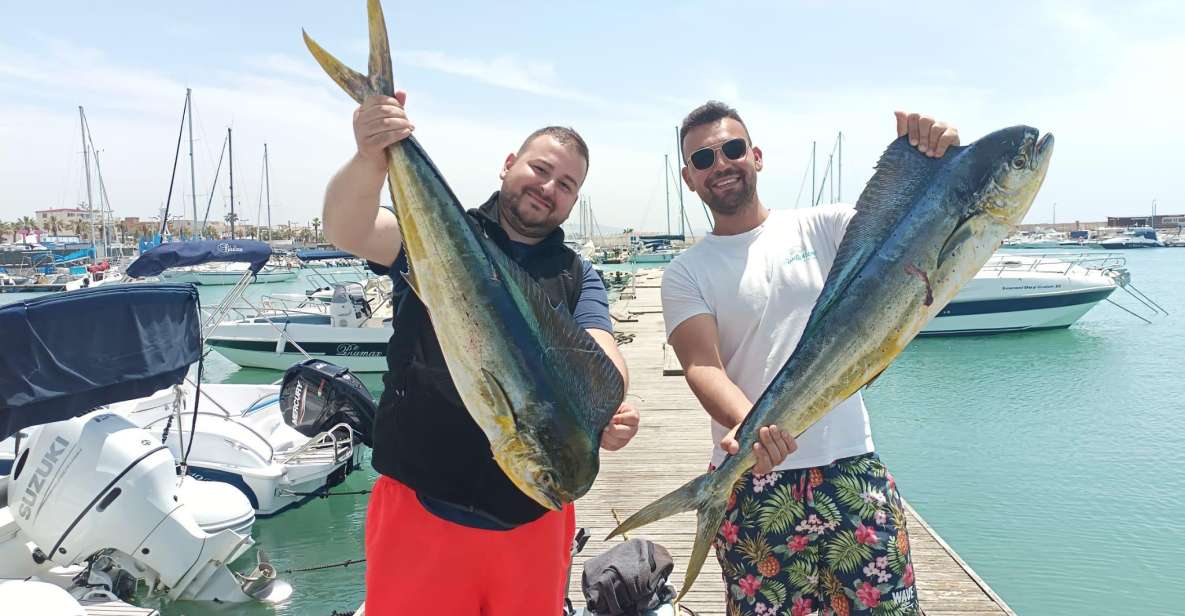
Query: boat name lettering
{"type": "Point", "coordinates": [1032, 287]}
{"type": "Point", "coordinates": [37, 481]}
{"type": "Point", "coordinates": [355, 351]}
{"type": "Point", "coordinates": [224, 247]}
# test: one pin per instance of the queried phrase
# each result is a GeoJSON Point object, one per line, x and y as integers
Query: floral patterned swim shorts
{"type": "Point", "coordinates": [830, 540]}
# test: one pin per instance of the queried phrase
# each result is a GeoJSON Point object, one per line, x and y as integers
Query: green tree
{"type": "Point", "coordinates": [316, 225]}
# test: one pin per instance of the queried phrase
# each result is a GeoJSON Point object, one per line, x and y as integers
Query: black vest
{"type": "Point", "coordinates": [423, 436]}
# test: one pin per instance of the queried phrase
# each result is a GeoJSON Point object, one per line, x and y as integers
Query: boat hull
{"type": "Point", "coordinates": [1015, 293]}
{"type": "Point", "coordinates": [259, 345]}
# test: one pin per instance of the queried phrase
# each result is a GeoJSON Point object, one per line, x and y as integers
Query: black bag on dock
{"type": "Point", "coordinates": [317, 395]}
{"type": "Point", "coordinates": [628, 579]}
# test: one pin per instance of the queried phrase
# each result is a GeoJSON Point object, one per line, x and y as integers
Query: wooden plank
{"type": "Point", "coordinates": [674, 445]}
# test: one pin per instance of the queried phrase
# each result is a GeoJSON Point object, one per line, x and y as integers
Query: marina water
{"type": "Point", "coordinates": [1050, 461]}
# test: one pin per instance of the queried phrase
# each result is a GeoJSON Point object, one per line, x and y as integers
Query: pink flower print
{"type": "Point", "coordinates": [907, 578]}
{"type": "Point", "coordinates": [750, 584]}
{"type": "Point", "coordinates": [881, 517]}
{"type": "Point", "coordinates": [729, 530]}
{"type": "Point", "coordinates": [869, 595]}
{"type": "Point", "coordinates": [802, 607]}
{"type": "Point", "coordinates": [798, 543]}
{"type": "Point", "coordinates": [865, 535]}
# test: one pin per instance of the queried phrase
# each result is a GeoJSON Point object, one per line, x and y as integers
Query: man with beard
{"type": "Point", "coordinates": [446, 530]}
{"type": "Point", "coordinates": [824, 522]}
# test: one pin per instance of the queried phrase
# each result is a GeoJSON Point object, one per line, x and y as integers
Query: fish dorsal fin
{"type": "Point", "coordinates": [901, 173]}
{"type": "Point", "coordinates": [590, 379]}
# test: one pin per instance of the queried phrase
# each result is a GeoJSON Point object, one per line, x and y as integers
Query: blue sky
{"type": "Point", "coordinates": [1107, 81]}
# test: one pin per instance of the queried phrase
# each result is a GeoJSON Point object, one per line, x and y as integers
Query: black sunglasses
{"type": "Point", "coordinates": [704, 158]}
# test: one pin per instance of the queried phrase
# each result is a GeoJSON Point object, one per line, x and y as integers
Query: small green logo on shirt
{"type": "Point", "coordinates": [805, 255]}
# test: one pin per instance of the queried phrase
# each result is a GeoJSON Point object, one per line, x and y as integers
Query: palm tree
{"type": "Point", "coordinates": [28, 225]}
{"type": "Point", "coordinates": [6, 227]}
{"type": "Point", "coordinates": [316, 224]}
{"type": "Point", "coordinates": [78, 228]}
{"type": "Point", "coordinates": [231, 218]}
{"type": "Point", "coordinates": [54, 224]}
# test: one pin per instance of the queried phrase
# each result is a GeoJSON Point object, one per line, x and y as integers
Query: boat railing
{"type": "Point", "coordinates": [271, 452]}
{"type": "Point", "coordinates": [1055, 262]}
{"type": "Point", "coordinates": [341, 447]}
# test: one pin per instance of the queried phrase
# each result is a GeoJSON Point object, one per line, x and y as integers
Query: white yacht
{"type": "Point", "coordinates": [351, 329]}
{"type": "Point", "coordinates": [1014, 292]}
{"type": "Point", "coordinates": [1139, 237]}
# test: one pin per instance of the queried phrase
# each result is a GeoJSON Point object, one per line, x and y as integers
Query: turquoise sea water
{"type": "Point", "coordinates": [1050, 461]}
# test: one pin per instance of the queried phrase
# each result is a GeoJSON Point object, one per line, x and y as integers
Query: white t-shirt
{"type": "Point", "coordinates": [761, 286]}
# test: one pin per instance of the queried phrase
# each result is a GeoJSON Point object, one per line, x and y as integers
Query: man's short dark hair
{"type": "Point", "coordinates": [707, 113]}
{"type": "Point", "coordinates": [567, 137]}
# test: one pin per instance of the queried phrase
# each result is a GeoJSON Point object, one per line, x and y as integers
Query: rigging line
{"type": "Point", "coordinates": [802, 185]}
{"type": "Point", "coordinates": [164, 218]}
{"type": "Point", "coordinates": [823, 182]}
{"type": "Point", "coordinates": [259, 201]}
{"type": "Point", "coordinates": [210, 197]}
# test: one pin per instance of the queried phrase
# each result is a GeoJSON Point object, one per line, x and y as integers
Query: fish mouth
{"type": "Point", "coordinates": [1044, 144]}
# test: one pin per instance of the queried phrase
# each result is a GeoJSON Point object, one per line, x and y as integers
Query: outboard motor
{"type": "Point", "coordinates": [316, 396]}
{"type": "Point", "coordinates": [97, 484]}
{"type": "Point", "coordinates": [629, 579]}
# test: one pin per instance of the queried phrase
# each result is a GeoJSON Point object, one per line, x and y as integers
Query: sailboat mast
{"type": "Point", "coordinates": [679, 186]}
{"type": "Point", "coordinates": [231, 157]}
{"type": "Point", "coordinates": [192, 181]}
{"type": "Point", "coordinates": [666, 182]}
{"type": "Point", "coordinates": [839, 189]}
{"type": "Point", "coordinates": [813, 175]}
{"type": "Point", "coordinates": [267, 183]}
{"type": "Point", "coordinates": [86, 163]}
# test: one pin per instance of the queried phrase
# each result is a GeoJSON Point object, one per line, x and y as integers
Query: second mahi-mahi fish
{"type": "Point", "coordinates": [538, 385]}
{"type": "Point", "coordinates": [923, 227]}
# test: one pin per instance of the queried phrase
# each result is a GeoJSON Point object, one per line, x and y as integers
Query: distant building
{"type": "Point", "coordinates": [1162, 221]}
{"type": "Point", "coordinates": [1064, 227]}
{"type": "Point", "coordinates": [64, 215]}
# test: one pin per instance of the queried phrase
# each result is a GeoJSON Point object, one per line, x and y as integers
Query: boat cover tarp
{"type": "Point", "coordinates": [181, 254]}
{"type": "Point", "coordinates": [320, 255]}
{"type": "Point", "coordinates": [66, 354]}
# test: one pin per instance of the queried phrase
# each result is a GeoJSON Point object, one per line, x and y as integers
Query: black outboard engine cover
{"type": "Point", "coordinates": [316, 395]}
{"type": "Point", "coordinates": [629, 579]}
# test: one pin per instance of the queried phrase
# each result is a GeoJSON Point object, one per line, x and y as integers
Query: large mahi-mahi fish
{"type": "Point", "coordinates": [536, 383]}
{"type": "Point", "coordinates": [923, 227]}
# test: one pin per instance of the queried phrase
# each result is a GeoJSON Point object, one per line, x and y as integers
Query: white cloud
{"type": "Point", "coordinates": [505, 71]}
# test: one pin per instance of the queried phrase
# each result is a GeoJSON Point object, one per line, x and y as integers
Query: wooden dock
{"type": "Point", "coordinates": [674, 445]}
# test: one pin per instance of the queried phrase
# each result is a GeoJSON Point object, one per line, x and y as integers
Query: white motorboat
{"type": "Point", "coordinates": [94, 503]}
{"type": "Point", "coordinates": [351, 330]}
{"type": "Point", "coordinates": [1015, 292]}
{"type": "Point", "coordinates": [241, 439]}
{"type": "Point", "coordinates": [1139, 237]}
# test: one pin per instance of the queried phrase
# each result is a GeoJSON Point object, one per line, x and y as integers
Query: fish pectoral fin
{"type": "Point", "coordinates": [503, 407]}
{"type": "Point", "coordinates": [957, 238]}
{"type": "Point", "coordinates": [358, 86]}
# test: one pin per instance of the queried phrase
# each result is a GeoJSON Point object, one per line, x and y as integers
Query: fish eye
{"type": "Point", "coordinates": [546, 479]}
{"type": "Point", "coordinates": [1020, 162]}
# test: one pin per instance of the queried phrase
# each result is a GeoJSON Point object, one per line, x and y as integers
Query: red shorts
{"type": "Point", "coordinates": [417, 563]}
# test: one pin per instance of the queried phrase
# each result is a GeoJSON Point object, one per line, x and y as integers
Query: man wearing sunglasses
{"type": "Point", "coordinates": [818, 516]}
{"type": "Point", "coordinates": [446, 531]}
